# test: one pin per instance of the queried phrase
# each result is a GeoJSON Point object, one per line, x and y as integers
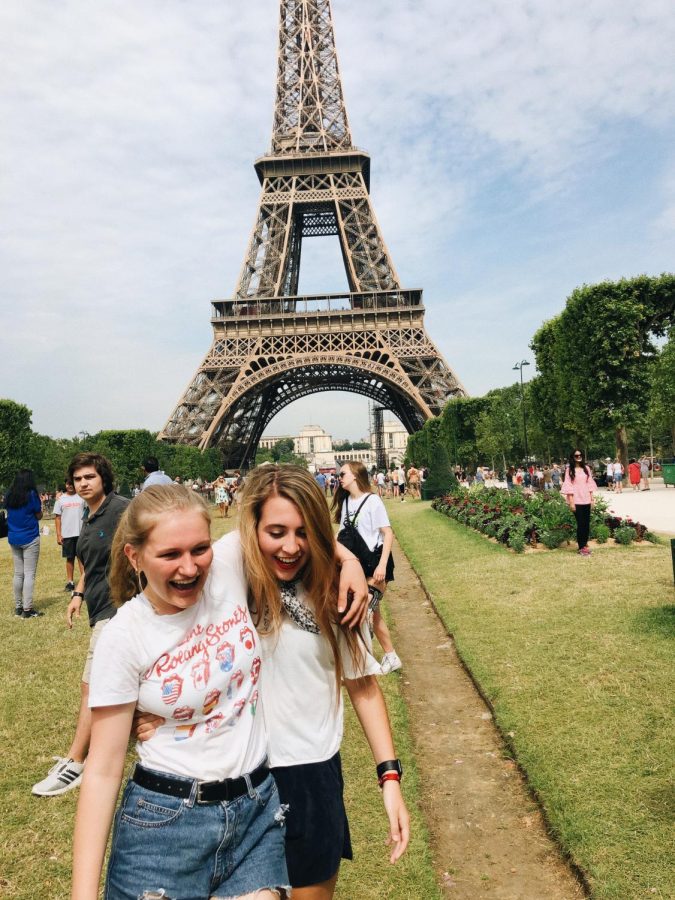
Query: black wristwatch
{"type": "Point", "coordinates": [390, 765]}
{"type": "Point", "coordinates": [77, 594]}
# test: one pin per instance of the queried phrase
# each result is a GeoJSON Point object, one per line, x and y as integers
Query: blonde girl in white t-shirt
{"type": "Point", "coordinates": [355, 501]}
{"type": "Point", "coordinates": [200, 816]}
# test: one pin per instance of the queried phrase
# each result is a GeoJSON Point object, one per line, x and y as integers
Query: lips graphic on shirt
{"type": "Point", "coordinates": [255, 670]}
{"type": "Point", "coordinates": [172, 688]}
{"type": "Point", "coordinates": [247, 637]}
{"type": "Point", "coordinates": [200, 674]}
{"type": "Point", "coordinates": [211, 701]}
{"type": "Point", "coordinates": [225, 656]}
{"type": "Point", "coordinates": [214, 722]}
{"type": "Point", "coordinates": [183, 732]}
{"type": "Point", "coordinates": [235, 683]}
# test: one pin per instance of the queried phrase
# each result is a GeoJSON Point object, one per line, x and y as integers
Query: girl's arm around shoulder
{"type": "Point", "coordinates": [110, 728]}
{"type": "Point", "coordinates": [371, 710]}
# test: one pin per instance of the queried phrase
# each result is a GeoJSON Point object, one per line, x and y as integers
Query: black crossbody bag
{"type": "Point", "coordinates": [350, 538]}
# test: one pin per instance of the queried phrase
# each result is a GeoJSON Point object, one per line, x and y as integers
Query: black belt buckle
{"type": "Point", "coordinates": [200, 798]}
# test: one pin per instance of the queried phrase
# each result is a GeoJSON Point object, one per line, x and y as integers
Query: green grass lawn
{"type": "Point", "coordinates": [39, 697]}
{"type": "Point", "coordinates": [577, 658]}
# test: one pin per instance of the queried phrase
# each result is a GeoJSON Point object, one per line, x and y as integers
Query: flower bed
{"type": "Point", "coordinates": [519, 518]}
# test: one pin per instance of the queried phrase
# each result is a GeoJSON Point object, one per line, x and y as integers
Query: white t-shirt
{"type": "Point", "coordinates": [303, 721]}
{"type": "Point", "coordinates": [372, 517]}
{"type": "Point", "coordinates": [198, 668]}
{"type": "Point", "coordinates": [70, 508]}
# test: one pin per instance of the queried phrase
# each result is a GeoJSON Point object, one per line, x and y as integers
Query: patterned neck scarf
{"type": "Point", "coordinates": [301, 614]}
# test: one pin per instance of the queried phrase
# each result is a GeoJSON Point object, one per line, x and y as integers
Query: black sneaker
{"type": "Point", "coordinates": [18, 611]}
{"type": "Point", "coordinates": [32, 613]}
{"type": "Point", "coordinates": [69, 586]}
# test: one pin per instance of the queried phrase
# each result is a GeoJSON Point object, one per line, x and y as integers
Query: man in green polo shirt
{"type": "Point", "coordinates": [92, 476]}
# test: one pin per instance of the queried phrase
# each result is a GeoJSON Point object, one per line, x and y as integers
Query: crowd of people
{"type": "Point", "coordinates": [224, 729]}
{"type": "Point", "coordinates": [224, 724]}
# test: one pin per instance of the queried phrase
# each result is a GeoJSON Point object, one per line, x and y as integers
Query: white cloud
{"type": "Point", "coordinates": [127, 191]}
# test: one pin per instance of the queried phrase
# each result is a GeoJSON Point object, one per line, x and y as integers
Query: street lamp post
{"type": "Point", "coordinates": [519, 367]}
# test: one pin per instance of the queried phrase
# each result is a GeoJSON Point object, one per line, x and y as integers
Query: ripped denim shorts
{"type": "Point", "coordinates": [194, 851]}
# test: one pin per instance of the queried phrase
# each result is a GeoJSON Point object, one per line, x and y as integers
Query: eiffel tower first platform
{"type": "Point", "coordinates": [271, 346]}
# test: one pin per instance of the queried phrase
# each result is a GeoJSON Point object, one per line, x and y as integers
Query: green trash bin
{"type": "Point", "coordinates": [668, 471]}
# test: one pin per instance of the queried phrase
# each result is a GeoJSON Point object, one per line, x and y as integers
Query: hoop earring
{"type": "Point", "coordinates": [141, 580]}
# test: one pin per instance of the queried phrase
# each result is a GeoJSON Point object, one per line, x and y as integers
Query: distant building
{"type": "Point", "coordinates": [266, 443]}
{"type": "Point", "coordinates": [367, 457]}
{"type": "Point", "coordinates": [316, 445]}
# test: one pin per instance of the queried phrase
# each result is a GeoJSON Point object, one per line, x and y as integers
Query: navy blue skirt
{"type": "Point", "coordinates": [317, 830]}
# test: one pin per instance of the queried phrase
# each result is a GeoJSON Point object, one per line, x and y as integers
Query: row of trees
{"type": "Point", "coordinates": [605, 382]}
{"type": "Point", "coordinates": [21, 447]}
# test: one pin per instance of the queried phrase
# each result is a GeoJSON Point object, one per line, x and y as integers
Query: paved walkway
{"type": "Point", "coordinates": [654, 508]}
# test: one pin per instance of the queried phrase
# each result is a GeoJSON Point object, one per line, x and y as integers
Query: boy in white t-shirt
{"type": "Point", "coordinates": [68, 512]}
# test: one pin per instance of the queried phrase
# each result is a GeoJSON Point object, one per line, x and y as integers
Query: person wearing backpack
{"type": "Point", "coordinates": [366, 531]}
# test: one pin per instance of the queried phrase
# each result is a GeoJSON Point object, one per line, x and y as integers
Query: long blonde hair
{"type": "Point", "coordinates": [135, 525]}
{"type": "Point", "coordinates": [359, 472]}
{"type": "Point", "coordinates": [320, 575]}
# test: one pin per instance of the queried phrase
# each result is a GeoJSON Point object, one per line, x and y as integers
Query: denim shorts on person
{"type": "Point", "coordinates": [196, 851]}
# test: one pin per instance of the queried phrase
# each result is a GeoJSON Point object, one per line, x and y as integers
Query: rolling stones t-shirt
{"type": "Point", "coordinates": [199, 669]}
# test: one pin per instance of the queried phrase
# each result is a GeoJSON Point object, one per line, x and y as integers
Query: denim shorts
{"type": "Point", "coordinates": [196, 851]}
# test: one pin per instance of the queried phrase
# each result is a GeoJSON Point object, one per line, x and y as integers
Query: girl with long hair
{"type": "Point", "coordinates": [288, 552]}
{"type": "Point", "coordinates": [24, 511]}
{"type": "Point", "coordinates": [578, 487]}
{"type": "Point", "coordinates": [355, 505]}
{"type": "Point", "coordinates": [200, 815]}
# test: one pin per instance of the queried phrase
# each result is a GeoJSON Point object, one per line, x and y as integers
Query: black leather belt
{"type": "Point", "coordinates": [207, 791]}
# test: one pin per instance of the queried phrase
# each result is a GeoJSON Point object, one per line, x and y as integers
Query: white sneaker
{"type": "Point", "coordinates": [64, 776]}
{"type": "Point", "coordinates": [390, 663]}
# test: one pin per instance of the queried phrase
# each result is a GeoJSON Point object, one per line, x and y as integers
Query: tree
{"type": "Point", "coordinates": [441, 480]}
{"type": "Point", "coordinates": [499, 424]}
{"type": "Point", "coordinates": [595, 356]}
{"type": "Point", "coordinates": [662, 392]}
{"type": "Point", "coordinates": [15, 432]}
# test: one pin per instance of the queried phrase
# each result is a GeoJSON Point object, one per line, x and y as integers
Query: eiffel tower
{"type": "Point", "coordinates": [272, 346]}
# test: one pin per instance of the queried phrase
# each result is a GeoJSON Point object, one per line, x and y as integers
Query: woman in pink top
{"type": "Point", "coordinates": [579, 487]}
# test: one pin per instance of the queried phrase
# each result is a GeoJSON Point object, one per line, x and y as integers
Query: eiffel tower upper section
{"type": "Point", "coordinates": [271, 345]}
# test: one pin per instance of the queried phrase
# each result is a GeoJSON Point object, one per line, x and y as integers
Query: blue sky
{"type": "Point", "coordinates": [518, 150]}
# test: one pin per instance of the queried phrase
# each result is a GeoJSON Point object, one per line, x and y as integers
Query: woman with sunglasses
{"type": "Point", "coordinates": [356, 505]}
{"type": "Point", "coordinates": [578, 488]}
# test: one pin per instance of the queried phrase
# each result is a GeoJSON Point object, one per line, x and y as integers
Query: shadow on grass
{"type": "Point", "coordinates": [657, 620]}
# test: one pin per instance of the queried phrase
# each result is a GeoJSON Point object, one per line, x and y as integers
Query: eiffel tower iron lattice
{"type": "Point", "coordinates": [272, 346]}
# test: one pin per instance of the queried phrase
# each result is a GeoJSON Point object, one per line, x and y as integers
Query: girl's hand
{"type": "Point", "coordinates": [145, 725]}
{"type": "Point", "coordinates": [399, 820]}
{"type": "Point", "coordinates": [379, 574]}
{"type": "Point", "coordinates": [353, 593]}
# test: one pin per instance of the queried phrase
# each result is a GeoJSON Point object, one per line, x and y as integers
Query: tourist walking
{"type": "Point", "coordinates": [357, 508]}
{"type": "Point", "coordinates": [634, 474]}
{"type": "Point", "coordinates": [222, 496]}
{"type": "Point", "coordinates": [68, 512]}
{"type": "Point", "coordinates": [578, 487]}
{"type": "Point", "coordinates": [618, 476]}
{"type": "Point", "coordinates": [93, 478]}
{"type": "Point", "coordinates": [644, 472]}
{"type": "Point", "coordinates": [24, 511]}
{"type": "Point", "coordinates": [200, 815]}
